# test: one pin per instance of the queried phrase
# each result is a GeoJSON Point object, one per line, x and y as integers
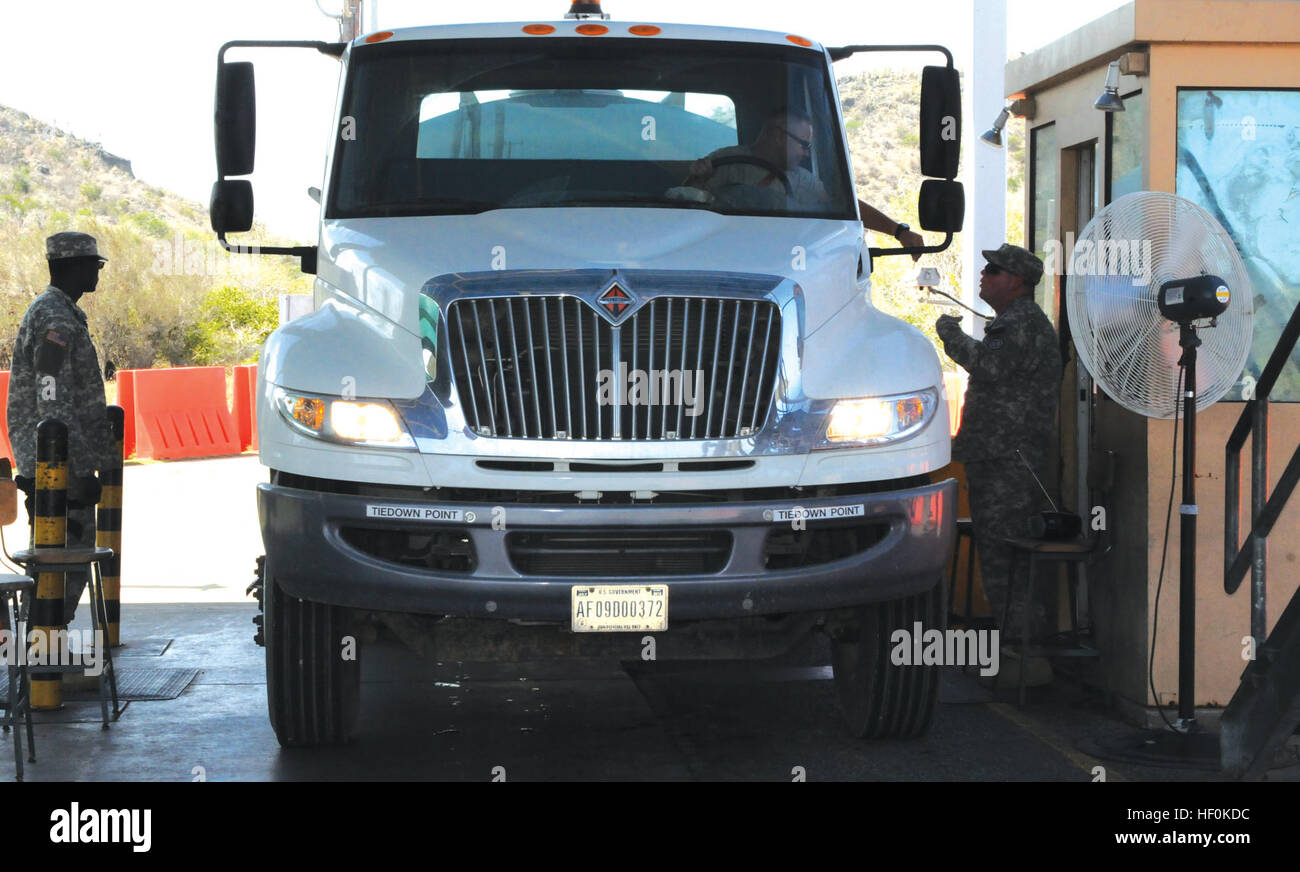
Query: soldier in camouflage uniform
{"type": "Point", "coordinates": [1015, 379]}
{"type": "Point", "coordinates": [55, 374]}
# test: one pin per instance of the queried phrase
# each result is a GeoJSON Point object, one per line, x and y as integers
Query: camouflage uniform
{"type": "Point", "coordinates": [55, 374]}
{"type": "Point", "coordinates": [1015, 378]}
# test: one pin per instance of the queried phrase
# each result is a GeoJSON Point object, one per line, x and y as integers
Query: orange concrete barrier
{"type": "Point", "coordinates": [4, 417]}
{"type": "Point", "coordinates": [180, 412]}
{"type": "Point", "coordinates": [126, 399]}
{"type": "Point", "coordinates": [246, 405]}
{"type": "Point", "coordinates": [954, 385]}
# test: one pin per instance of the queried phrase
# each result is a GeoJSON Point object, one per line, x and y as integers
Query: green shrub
{"type": "Point", "coordinates": [151, 224]}
{"type": "Point", "coordinates": [20, 206]}
{"type": "Point", "coordinates": [232, 325]}
{"type": "Point", "coordinates": [91, 192]}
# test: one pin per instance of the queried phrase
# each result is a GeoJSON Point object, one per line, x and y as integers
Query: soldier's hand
{"type": "Point", "coordinates": [87, 493]}
{"type": "Point", "coordinates": [911, 239]}
{"type": "Point", "coordinates": [947, 326]}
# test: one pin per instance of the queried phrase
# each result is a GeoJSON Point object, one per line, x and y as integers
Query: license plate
{"type": "Point", "coordinates": [611, 608]}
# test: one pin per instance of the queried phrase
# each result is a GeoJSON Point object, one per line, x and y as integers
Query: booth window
{"type": "Point", "coordinates": [1239, 158]}
{"type": "Point", "coordinates": [1044, 194]}
{"type": "Point", "coordinates": [1125, 145]}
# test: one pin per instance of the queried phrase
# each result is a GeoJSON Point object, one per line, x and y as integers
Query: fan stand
{"type": "Point", "coordinates": [1187, 746]}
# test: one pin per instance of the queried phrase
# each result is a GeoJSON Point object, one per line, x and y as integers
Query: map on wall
{"type": "Point", "coordinates": [1239, 158]}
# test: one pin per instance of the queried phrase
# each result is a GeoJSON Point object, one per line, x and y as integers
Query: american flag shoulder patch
{"type": "Point", "coordinates": [56, 337]}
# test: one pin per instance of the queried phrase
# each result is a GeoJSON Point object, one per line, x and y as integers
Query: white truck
{"type": "Point", "coordinates": [569, 391]}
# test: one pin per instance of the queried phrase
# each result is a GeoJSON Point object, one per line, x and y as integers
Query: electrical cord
{"type": "Point", "coordinates": [1164, 549]}
{"type": "Point", "coordinates": [959, 303]}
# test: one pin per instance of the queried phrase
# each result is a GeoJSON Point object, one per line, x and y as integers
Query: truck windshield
{"type": "Point", "coordinates": [443, 127]}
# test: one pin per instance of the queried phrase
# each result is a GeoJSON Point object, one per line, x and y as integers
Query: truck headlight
{"type": "Point", "coordinates": [351, 422]}
{"type": "Point", "coordinates": [877, 420]}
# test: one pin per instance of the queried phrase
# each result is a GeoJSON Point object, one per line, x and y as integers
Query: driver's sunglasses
{"type": "Point", "coordinates": [993, 269]}
{"type": "Point", "coordinates": [806, 143]}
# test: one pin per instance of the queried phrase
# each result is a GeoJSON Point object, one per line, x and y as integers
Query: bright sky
{"type": "Point", "coordinates": [137, 75]}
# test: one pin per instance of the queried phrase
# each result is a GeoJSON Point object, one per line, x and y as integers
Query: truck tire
{"type": "Point", "coordinates": [313, 693]}
{"type": "Point", "coordinates": [881, 700]}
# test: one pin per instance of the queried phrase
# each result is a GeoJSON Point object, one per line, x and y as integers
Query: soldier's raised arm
{"type": "Point", "coordinates": [1003, 351]}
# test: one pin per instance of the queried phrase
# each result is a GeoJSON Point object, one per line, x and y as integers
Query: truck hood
{"type": "Point", "coordinates": [383, 262]}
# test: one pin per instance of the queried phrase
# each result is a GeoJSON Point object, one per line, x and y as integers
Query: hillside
{"type": "Point", "coordinates": [169, 295]}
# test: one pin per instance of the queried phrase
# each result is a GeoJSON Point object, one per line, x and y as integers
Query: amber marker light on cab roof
{"type": "Point", "coordinates": [591, 29]}
{"type": "Point", "coordinates": [538, 29]}
{"type": "Point", "coordinates": [380, 36]}
{"type": "Point", "coordinates": [644, 30]}
{"type": "Point", "coordinates": [799, 40]}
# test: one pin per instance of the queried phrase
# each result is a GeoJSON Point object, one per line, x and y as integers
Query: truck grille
{"type": "Point", "coordinates": [619, 552]}
{"type": "Point", "coordinates": [530, 367]}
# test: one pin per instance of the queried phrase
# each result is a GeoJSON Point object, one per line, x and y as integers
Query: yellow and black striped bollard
{"type": "Point", "coordinates": [109, 526]}
{"type": "Point", "coordinates": [49, 529]}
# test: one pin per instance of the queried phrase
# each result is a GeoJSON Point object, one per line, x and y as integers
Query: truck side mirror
{"type": "Point", "coordinates": [940, 122]}
{"type": "Point", "coordinates": [235, 126]}
{"type": "Point", "coordinates": [231, 206]}
{"type": "Point", "coordinates": [942, 205]}
{"type": "Point", "coordinates": [235, 119]}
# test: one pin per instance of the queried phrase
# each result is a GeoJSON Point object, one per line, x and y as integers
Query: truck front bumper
{"type": "Point", "coordinates": [312, 556]}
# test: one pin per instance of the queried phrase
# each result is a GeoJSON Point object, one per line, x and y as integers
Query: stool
{"type": "Point", "coordinates": [1083, 551]}
{"type": "Point", "coordinates": [1072, 554]}
{"type": "Point", "coordinates": [37, 560]}
{"type": "Point", "coordinates": [16, 592]}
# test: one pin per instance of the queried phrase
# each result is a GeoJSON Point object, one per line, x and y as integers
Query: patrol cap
{"type": "Point", "coordinates": [71, 243]}
{"type": "Point", "coordinates": [1017, 261]}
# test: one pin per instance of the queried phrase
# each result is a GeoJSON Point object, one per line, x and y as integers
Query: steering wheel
{"type": "Point", "coordinates": [758, 162]}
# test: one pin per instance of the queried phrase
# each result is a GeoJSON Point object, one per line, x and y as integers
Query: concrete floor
{"type": "Point", "coordinates": [584, 721]}
{"type": "Point", "coordinates": [553, 721]}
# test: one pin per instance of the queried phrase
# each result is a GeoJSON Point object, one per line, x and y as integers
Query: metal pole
{"type": "Point", "coordinates": [984, 168]}
{"type": "Point", "coordinates": [1258, 493]}
{"type": "Point", "coordinates": [1187, 545]}
{"type": "Point", "coordinates": [1231, 510]}
{"type": "Point", "coordinates": [49, 530]}
{"type": "Point", "coordinates": [109, 528]}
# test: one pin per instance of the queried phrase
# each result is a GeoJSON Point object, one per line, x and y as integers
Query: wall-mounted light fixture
{"type": "Point", "coordinates": [993, 136]}
{"type": "Point", "coordinates": [1109, 100]}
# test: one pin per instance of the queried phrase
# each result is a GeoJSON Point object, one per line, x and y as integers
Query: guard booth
{"type": "Point", "coordinates": [1211, 95]}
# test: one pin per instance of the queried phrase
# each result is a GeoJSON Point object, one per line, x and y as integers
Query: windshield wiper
{"type": "Point", "coordinates": [427, 206]}
{"type": "Point", "coordinates": [633, 200]}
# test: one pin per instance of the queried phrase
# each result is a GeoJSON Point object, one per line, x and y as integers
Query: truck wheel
{"type": "Point", "coordinates": [313, 690]}
{"type": "Point", "coordinates": [880, 700]}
